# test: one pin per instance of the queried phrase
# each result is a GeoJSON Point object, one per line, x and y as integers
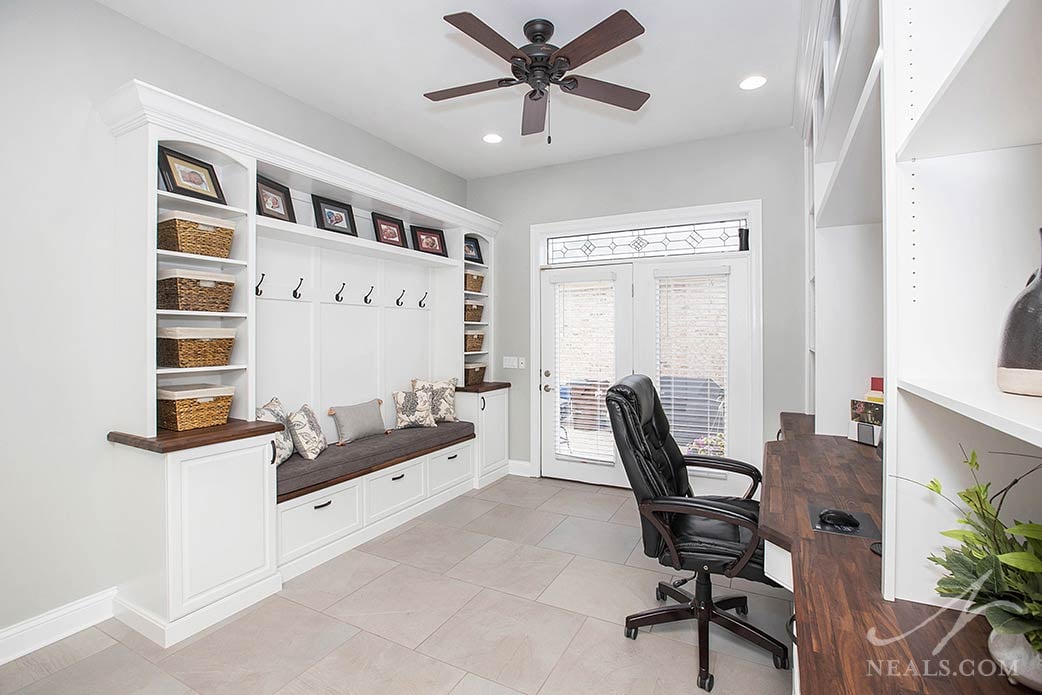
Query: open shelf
{"type": "Point", "coordinates": [212, 314]}
{"type": "Point", "coordinates": [475, 294]}
{"type": "Point", "coordinates": [182, 203]}
{"type": "Point", "coordinates": [854, 194]}
{"type": "Point", "coordinates": [476, 352]}
{"type": "Point", "coordinates": [178, 257]}
{"type": "Point", "coordinates": [475, 323]}
{"type": "Point", "coordinates": [268, 228]}
{"type": "Point", "coordinates": [476, 264]}
{"type": "Point", "coordinates": [1017, 416]}
{"type": "Point", "coordinates": [168, 371]}
{"type": "Point", "coordinates": [993, 97]}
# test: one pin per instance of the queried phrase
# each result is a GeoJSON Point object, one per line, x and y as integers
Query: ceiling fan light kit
{"type": "Point", "coordinates": [540, 64]}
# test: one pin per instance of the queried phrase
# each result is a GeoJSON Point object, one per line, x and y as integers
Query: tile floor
{"type": "Point", "coordinates": [521, 587]}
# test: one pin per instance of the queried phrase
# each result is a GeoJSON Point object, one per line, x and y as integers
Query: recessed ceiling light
{"type": "Point", "coordinates": [493, 138]}
{"type": "Point", "coordinates": [753, 82]}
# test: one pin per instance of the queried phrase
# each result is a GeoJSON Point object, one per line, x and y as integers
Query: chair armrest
{"type": "Point", "coordinates": [720, 463]}
{"type": "Point", "coordinates": [655, 509]}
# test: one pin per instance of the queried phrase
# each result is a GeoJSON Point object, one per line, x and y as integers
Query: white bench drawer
{"type": "Point", "coordinates": [777, 564]}
{"type": "Point", "coordinates": [395, 489]}
{"type": "Point", "coordinates": [305, 526]}
{"type": "Point", "coordinates": [450, 468]}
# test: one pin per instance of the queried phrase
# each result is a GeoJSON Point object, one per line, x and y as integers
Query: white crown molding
{"type": "Point", "coordinates": [137, 103]}
{"type": "Point", "coordinates": [815, 14]}
{"type": "Point", "coordinates": [56, 624]}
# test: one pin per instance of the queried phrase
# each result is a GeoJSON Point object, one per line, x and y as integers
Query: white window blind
{"type": "Point", "coordinates": [584, 362]}
{"type": "Point", "coordinates": [691, 348]}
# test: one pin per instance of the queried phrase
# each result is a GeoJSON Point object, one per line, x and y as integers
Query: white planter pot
{"type": "Point", "coordinates": [1016, 655]}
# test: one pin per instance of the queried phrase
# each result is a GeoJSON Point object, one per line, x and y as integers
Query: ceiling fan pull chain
{"type": "Point", "coordinates": [548, 121]}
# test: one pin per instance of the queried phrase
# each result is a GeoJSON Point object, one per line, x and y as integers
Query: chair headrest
{"type": "Point", "coordinates": [638, 391]}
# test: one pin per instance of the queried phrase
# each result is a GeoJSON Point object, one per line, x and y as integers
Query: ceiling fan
{"type": "Point", "coordinates": [541, 64]}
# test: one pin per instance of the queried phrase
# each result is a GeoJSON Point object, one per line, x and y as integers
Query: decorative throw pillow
{"type": "Point", "coordinates": [272, 411]}
{"type": "Point", "coordinates": [307, 433]}
{"type": "Point", "coordinates": [443, 397]}
{"type": "Point", "coordinates": [358, 421]}
{"type": "Point", "coordinates": [413, 409]}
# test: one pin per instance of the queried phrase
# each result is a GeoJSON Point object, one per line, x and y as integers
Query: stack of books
{"type": "Point", "coordinates": [866, 414]}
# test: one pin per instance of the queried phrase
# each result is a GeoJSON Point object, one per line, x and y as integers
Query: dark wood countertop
{"type": "Point", "coordinates": [168, 441]}
{"type": "Point", "coordinates": [837, 580]}
{"type": "Point", "coordinates": [484, 387]}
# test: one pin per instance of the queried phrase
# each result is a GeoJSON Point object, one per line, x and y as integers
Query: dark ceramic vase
{"type": "Point", "coordinates": [1020, 359]}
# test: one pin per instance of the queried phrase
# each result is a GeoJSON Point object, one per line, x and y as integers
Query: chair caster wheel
{"type": "Point", "coordinates": [706, 682]}
{"type": "Point", "coordinates": [631, 633]}
{"type": "Point", "coordinates": [659, 595]}
{"type": "Point", "coordinates": [742, 610]}
{"type": "Point", "coordinates": [781, 662]}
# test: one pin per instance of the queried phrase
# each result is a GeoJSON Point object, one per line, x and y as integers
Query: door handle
{"type": "Point", "coordinates": [274, 452]}
{"type": "Point", "coordinates": [482, 402]}
{"type": "Point", "coordinates": [548, 388]}
{"type": "Point", "coordinates": [546, 372]}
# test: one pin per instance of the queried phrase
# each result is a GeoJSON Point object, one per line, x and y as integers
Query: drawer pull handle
{"type": "Point", "coordinates": [274, 452]}
{"type": "Point", "coordinates": [454, 456]}
{"type": "Point", "coordinates": [398, 477]}
{"type": "Point", "coordinates": [324, 504]}
{"type": "Point", "coordinates": [790, 628]}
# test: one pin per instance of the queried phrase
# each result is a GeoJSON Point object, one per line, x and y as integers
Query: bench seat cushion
{"type": "Point", "coordinates": [339, 463]}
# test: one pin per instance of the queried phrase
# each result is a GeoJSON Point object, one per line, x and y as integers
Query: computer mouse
{"type": "Point", "coordinates": [837, 517]}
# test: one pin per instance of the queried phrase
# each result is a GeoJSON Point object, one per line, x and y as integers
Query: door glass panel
{"type": "Point", "coordinates": [691, 356]}
{"type": "Point", "coordinates": [584, 362]}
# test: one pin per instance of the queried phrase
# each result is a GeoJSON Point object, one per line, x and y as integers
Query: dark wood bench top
{"type": "Point", "coordinates": [484, 387]}
{"type": "Point", "coordinates": [168, 441]}
{"type": "Point", "coordinates": [837, 580]}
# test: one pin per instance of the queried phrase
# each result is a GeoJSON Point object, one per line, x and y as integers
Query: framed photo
{"type": "Point", "coordinates": [472, 250]}
{"type": "Point", "coordinates": [189, 176]}
{"type": "Point", "coordinates": [273, 200]}
{"type": "Point", "coordinates": [334, 216]}
{"type": "Point", "coordinates": [429, 241]}
{"type": "Point", "coordinates": [389, 230]}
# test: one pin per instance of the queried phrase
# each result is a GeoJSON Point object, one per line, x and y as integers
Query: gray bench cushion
{"type": "Point", "coordinates": [338, 463]}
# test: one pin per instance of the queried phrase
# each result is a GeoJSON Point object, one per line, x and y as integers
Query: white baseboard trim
{"type": "Point", "coordinates": [493, 475]}
{"type": "Point", "coordinates": [56, 624]}
{"type": "Point", "coordinates": [525, 468]}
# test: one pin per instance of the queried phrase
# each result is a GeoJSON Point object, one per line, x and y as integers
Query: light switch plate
{"type": "Point", "coordinates": [509, 362]}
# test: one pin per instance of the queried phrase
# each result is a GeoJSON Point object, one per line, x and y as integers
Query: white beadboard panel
{"type": "Point", "coordinates": [284, 352]}
{"type": "Point", "coordinates": [405, 337]}
{"type": "Point", "coordinates": [348, 364]}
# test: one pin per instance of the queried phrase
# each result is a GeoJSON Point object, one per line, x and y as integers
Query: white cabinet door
{"type": "Point", "coordinates": [222, 523]}
{"type": "Point", "coordinates": [493, 427]}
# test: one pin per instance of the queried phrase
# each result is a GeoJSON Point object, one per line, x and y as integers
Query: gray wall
{"type": "Point", "coordinates": [767, 165]}
{"type": "Point", "coordinates": [59, 301]}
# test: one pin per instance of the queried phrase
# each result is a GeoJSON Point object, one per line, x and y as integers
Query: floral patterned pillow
{"type": "Point", "coordinates": [413, 409]}
{"type": "Point", "coordinates": [272, 411]}
{"type": "Point", "coordinates": [443, 397]}
{"type": "Point", "coordinates": [307, 433]}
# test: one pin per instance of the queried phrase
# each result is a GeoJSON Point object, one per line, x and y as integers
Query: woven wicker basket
{"type": "Point", "coordinates": [192, 290]}
{"type": "Point", "coordinates": [188, 233]}
{"type": "Point", "coordinates": [473, 281]}
{"type": "Point", "coordinates": [194, 347]}
{"type": "Point", "coordinates": [192, 406]}
{"type": "Point", "coordinates": [473, 374]}
{"type": "Point", "coordinates": [473, 340]}
{"type": "Point", "coordinates": [472, 311]}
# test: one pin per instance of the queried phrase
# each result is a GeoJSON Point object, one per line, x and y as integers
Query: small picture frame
{"type": "Point", "coordinates": [334, 216]}
{"type": "Point", "coordinates": [472, 250]}
{"type": "Point", "coordinates": [273, 200]}
{"type": "Point", "coordinates": [429, 241]}
{"type": "Point", "coordinates": [189, 176]}
{"type": "Point", "coordinates": [389, 230]}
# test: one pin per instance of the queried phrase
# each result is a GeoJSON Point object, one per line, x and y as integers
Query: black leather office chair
{"type": "Point", "coordinates": [706, 535]}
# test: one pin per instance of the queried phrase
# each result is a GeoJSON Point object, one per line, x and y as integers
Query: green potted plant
{"type": "Point", "coordinates": [998, 568]}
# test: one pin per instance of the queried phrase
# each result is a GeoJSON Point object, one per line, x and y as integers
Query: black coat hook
{"type": "Point", "coordinates": [340, 295]}
{"type": "Point", "coordinates": [257, 289]}
{"type": "Point", "coordinates": [368, 294]}
{"type": "Point", "coordinates": [296, 292]}
{"type": "Point", "coordinates": [399, 301]}
{"type": "Point", "coordinates": [422, 305]}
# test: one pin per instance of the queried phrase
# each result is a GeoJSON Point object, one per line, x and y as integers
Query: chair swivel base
{"type": "Point", "coordinates": [702, 608]}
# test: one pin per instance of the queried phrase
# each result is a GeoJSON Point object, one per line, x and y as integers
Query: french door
{"type": "Point", "coordinates": [686, 324]}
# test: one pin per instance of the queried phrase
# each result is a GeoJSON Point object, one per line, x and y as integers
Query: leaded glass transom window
{"type": "Point", "coordinates": [676, 240]}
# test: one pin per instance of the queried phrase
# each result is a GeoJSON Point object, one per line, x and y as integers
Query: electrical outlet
{"type": "Point", "coordinates": [521, 364]}
{"type": "Point", "coordinates": [509, 362]}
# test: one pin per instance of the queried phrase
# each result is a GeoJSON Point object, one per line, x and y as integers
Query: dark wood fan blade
{"type": "Point", "coordinates": [606, 92]}
{"type": "Point", "coordinates": [484, 34]}
{"type": "Point", "coordinates": [466, 89]}
{"type": "Point", "coordinates": [533, 115]}
{"type": "Point", "coordinates": [611, 33]}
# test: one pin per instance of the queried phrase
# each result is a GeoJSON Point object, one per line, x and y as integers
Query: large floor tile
{"type": "Point", "coordinates": [405, 605]}
{"type": "Point", "coordinates": [603, 590]}
{"type": "Point", "coordinates": [369, 665]}
{"type": "Point", "coordinates": [744, 586]}
{"type": "Point", "coordinates": [589, 505]}
{"type": "Point", "coordinates": [458, 512]}
{"type": "Point", "coordinates": [111, 671]}
{"type": "Point", "coordinates": [476, 685]}
{"type": "Point", "coordinates": [518, 524]}
{"type": "Point", "coordinates": [52, 658]}
{"type": "Point", "coordinates": [521, 492]}
{"type": "Point", "coordinates": [260, 652]}
{"type": "Point", "coordinates": [617, 491]}
{"type": "Point", "coordinates": [627, 513]}
{"type": "Point", "coordinates": [522, 570]}
{"type": "Point", "coordinates": [601, 660]}
{"type": "Point", "coordinates": [598, 539]}
{"type": "Point", "coordinates": [331, 581]}
{"type": "Point", "coordinates": [504, 638]}
{"type": "Point", "coordinates": [428, 546]}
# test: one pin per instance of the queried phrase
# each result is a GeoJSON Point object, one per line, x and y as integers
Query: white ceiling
{"type": "Point", "coordinates": [369, 63]}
